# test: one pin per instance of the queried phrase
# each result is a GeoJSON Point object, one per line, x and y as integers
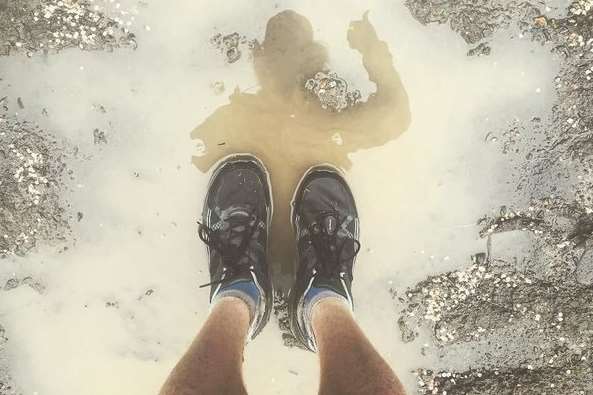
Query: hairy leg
{"type": "Point", "coordinates": [349, 362]}
{"type": "Point", "coordinates": [212, 365]}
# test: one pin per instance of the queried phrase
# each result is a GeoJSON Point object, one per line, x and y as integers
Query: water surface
{"type": "Point", "coordinates": [286, 127]}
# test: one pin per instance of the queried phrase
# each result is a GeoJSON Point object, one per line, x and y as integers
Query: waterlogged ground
{"type": "Point", "coordinates": [465, 130]}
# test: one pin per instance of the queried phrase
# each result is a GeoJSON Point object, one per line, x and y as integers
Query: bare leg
{"type": "Point", "coordinates": [349, 363]}
{"type": "Point", "coordinates": [212, 365]}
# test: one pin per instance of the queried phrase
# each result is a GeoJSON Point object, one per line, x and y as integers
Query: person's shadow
{"type": "Point", "coordinates": [285, 126]}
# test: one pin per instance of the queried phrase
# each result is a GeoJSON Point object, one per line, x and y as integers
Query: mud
{"type": "Point", "coordinates": [522, 321]}
{"type": "Point", "coordinates": [32, 208]}
{"type": "Point", "coordinates": [233, 45]}
{"type": "Point", "coordinates": [49, 26]}
{"type": "Point", "coordinates": [481, 50]}
{"type": "Point", "coordinates": [32, 169]}
{"type": "Point", "coordinates": [478, 21]}
{"type": "Point", "coordinates": [332, 91]}
{"type": "Point", "coordinates": [283, 321]}
{"type": "Point", "coordinates": [518, 381]}
{"type": "Point", "coordinates": [287, 128]}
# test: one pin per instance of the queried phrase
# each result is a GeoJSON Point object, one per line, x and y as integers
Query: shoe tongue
{"type": "Point", "coordinates": [238, 220]}
{"type": "Point", "coordinates": [330, 224]}
{"type": "Point", "coordinates": [238, 212]}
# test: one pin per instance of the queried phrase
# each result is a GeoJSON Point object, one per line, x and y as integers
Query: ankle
{"type": "Point", "coordinates": [315, 302]}
{"type": "Point", "coordinates": [329, 309]}
{"type": "Point", "coordinates": [230, 308]}
{"type": "Point", "coordinates": [247, 294]}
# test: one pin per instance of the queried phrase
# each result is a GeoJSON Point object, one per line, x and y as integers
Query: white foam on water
{"type": "Point", "coordinates": [419, 196]}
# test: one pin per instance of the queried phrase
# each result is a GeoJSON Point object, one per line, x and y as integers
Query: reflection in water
{"type": "Point", "coordinates": [287, 128]}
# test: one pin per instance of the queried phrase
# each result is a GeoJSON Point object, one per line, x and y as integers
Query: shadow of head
{"type": "Point", "coordinates": [288, 55]}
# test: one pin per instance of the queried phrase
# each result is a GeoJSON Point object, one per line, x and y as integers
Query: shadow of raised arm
{"type": "Point", "coordinates": [386, 113]}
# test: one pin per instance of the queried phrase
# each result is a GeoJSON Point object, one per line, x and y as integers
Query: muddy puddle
{"type": "Point", "coordinates": [286, 127]}
{"type": "Point", "coordinates": [124, 297]}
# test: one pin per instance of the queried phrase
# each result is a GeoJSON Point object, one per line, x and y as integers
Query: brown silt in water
{"type": "Point", "coordinates": [286, 127]}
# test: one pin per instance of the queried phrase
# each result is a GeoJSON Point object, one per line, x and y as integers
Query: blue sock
{"type": "Point", "coordinates": [313, 294]}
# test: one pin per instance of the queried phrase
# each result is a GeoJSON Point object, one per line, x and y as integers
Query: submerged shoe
{"type": "Point", "coordinates": [235, 223]}
{"type": "Point", "coordinates": [326, 225]}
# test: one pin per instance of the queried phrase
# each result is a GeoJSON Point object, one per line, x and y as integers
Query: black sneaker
{"type": "Point", "coordinates": [326, 225]}
{"type": "Point", "coordinates": [236, 218]}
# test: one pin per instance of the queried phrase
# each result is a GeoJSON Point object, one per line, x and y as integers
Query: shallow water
{"type": "Point", "coordinates": [286, 127]}
{"type": "Point", "coordinates": [96, 329]}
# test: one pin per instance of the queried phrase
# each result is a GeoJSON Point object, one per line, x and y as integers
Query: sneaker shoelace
{"type": "Point", "coordinates": [231, 242]}
{"type": "Point", "coordinates": [329, 241]}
